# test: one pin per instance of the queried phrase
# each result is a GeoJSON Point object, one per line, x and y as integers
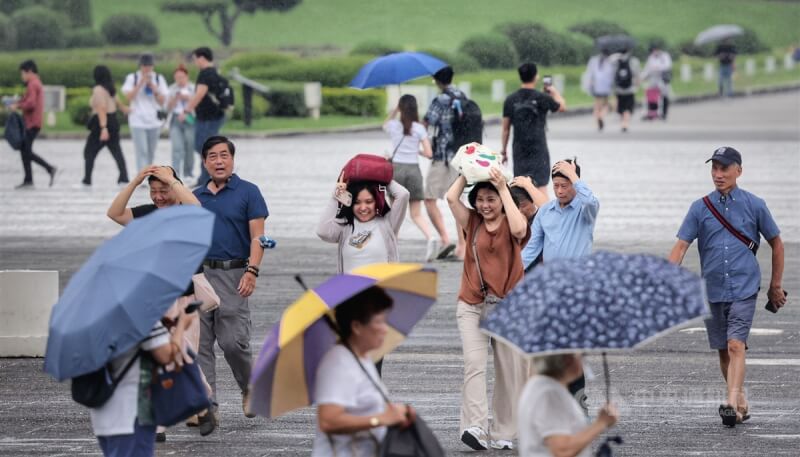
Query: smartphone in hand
{"type": "Point", "coordinates": [772, 307]}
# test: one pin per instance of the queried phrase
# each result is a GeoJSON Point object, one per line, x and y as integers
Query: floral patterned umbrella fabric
{"type": "Point", "coordinates": [598, 303]}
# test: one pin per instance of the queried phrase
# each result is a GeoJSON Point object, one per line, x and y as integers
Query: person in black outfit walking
{"type": "Point", "coordinates": [103, 125]}
{"type": "Point", "coordinates": [526, 110]}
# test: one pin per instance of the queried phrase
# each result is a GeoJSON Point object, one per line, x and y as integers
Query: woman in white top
{"type": "Point", "coordinates": [409, 140]}
{"type": "Point", "coordinates": [551, 423]}
{"type": "Point", "coordinates": [600, 71]}
{"type": "Point", "coordinates": [352, 414]}
{"type": "Point", "coordinates": [181, 125]}
{"type": "Point", "coordinates": [366, 230]}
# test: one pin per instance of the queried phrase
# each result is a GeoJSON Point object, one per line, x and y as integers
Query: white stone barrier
{"type": "Point", "coordinates": [26, 299]}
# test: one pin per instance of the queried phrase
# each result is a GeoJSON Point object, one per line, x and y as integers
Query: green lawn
{"type": "Point", "coordinates": [444, 24]}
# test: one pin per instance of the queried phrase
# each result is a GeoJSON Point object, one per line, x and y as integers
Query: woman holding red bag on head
{"type": "Point", "coordinates": [360, 220]}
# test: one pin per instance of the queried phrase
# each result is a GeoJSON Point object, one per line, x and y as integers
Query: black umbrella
{"type": "Point", "coordinates": [615, 43]}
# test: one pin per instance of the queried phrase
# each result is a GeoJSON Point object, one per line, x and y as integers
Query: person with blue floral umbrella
{"type": "Point", "coordinates": [592, 304]}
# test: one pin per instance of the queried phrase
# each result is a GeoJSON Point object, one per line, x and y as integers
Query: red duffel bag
{"type": "Point", "coordinates": [368, 167]}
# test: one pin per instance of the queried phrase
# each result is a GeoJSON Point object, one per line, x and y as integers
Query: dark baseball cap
{"type": "Point", "coordinates": [726, 155]}
{"type": "Point", "coordinates": [147, 59]}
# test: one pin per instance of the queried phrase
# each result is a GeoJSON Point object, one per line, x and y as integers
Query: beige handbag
{"type": "Point", "coordinates": [205, 293]}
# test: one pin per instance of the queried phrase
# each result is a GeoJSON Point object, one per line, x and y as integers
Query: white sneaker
{"type": "Point", "coordinates": [503, 445]}
{"type": "Point", "coordinates": [432, 250]}
{"type": "Point", "coordinates": [475, 438]}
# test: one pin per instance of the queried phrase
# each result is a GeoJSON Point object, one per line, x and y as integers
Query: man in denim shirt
{"type": "Point", "coordinates": [731, 270]}
{"type": "Point", "coordinates": [441, 175]}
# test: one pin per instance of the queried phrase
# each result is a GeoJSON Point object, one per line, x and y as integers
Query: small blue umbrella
{"type": "Point", "coordinates": [124, 288]}
{"type": "Point", "coordinates": [396, 68]}
{"type": "Point", "coordinates": [598, 303]}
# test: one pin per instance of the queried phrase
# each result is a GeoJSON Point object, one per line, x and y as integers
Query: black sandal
{"type": "Point", "coordinates": [728, 415]}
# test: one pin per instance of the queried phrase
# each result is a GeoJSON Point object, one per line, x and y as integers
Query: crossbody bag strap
{"type": "Point", "coordinates": [477, 263]}
{"type": "Point", "coordinates": [397, 147]}
{"type": "Point", "coordinates": [751, 245]}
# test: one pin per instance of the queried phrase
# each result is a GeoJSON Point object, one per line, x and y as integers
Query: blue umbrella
{"type": "Point", "coordinates": [124, 288]}
{"type": "Point", "coordinates": [598, 303]}
{"type": "Point", "coordinates": [395, 69]}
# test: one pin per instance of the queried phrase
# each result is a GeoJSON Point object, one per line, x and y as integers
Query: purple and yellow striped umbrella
{"type": "Point", "coordinates": [284, 374]}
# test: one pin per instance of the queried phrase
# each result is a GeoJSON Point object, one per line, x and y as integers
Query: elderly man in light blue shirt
{"type": "Point", "coordinates": [730, 269]}
{"type": "Point", "coordinates": [564, 227]}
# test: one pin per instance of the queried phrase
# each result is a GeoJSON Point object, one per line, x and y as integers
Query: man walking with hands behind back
{"type": "Point", "coordinates": [231, 266]}
{"type": "Point", "coordinates": [730, 269]}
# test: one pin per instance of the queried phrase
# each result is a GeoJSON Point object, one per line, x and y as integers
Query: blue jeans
{"type": "Point", "coordinates": [145, 142]}
{"type": "Point", "coordinates": [141, 443]}
{"type": "Point", "coordinates": [203, 130]}
{"type": "Point", "coordinates": [181, 135]}
{"type": "Point", "coordinates": [726, 80]}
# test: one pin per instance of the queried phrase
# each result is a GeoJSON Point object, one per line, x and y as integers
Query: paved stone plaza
{"type": "Point", "coordinates": [645, 180]}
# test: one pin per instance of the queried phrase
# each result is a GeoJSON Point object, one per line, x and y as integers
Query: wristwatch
{"type": "Point", "coordinates": [374, 421]}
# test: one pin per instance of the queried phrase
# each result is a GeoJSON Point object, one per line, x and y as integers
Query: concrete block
{"type": "Point", "coordinates": [708, 72]}
{"type": "Point", "coordinates": [686, 72]}
{"type": "Point", "coordinates": [788, 61]}
{"type": "Point", "coordinates": [559, 82]}
{"type": "Point", "coordinates": [769, 64]}
{"type": "Point", "coordinates": [750, 67]}
{"type": "Point", "coordinates": [26, 298]}
{"type": "Point", "coordinates": [466, 87]}
{"type": "Point", "coordinates": [498, 90]}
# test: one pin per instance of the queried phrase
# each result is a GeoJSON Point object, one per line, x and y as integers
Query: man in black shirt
{"type": "Point", "coordinates": [526, 109]}
{"type": "Point", "coordinates": [726, 53]}
{"type": "Point", "coordinates": [209, 116]}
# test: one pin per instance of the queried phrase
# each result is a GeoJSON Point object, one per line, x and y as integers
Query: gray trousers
{"type": "Point", "coordinates": [228, 325]}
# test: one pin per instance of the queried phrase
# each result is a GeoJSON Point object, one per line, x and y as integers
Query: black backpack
{"type": "Point", "coordinates": [15, 131]}
{"type": "Point", "coordinates": [221, 93]}
{"type": "Point", "coordinates": [94, 389]}
{"type": "Point", "coordinates": [525, 114]}
{"type": "Point", "coordinates": [623, 78]}
{"type": "Point", "coordinates": [467, 124]}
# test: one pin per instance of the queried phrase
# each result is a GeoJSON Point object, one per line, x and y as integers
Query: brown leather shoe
{"type": "Point", "coordinates": [245, 406]}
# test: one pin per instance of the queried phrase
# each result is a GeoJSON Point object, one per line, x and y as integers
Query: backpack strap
{"type": "Point", "coordinates": [751, 245]}
{"type": "Point", "coordinates": [116, 380]}
{"type": "Point", "coordinates": [397, 147]}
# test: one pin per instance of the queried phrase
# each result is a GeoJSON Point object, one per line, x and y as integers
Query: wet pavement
{"type": "Point", "coordinates": [645, 180]}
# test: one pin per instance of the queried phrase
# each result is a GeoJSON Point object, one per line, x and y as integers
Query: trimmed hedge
{"type": "Point", "coordinates": [460, 62]}
{"type": "Point", "coordinates": [248, 61]}
{"type": "Point", "coordinates": [535, 43]}
{"type": "Point", "coordinates": [72, 73]}
{"type": "Point", "coordinates": [374, 49]}
{"type": "Point", "coordinates": [122, 29]}
{"type": "Point", "coordinates": [8, 34]}
{"type": "Point", "coordinates": [490, 51]}
{"type": "Point", "coordinates": [352, 102]}
{"type": "Point", "coordinates": [598, 28]}
{"type": "Point", "coordinates": [330, 71]}
{"type": "Point", "coordinates": [84, 38]}
{"type": "Point", "coordinates": [78, 11]}
{"type": "Point", "coordinates": [39, 28]}
{"type": "Point", "coordinates": [286, 99]}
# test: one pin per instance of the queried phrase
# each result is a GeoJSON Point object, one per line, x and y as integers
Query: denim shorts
{"type": "Point", "coordinates": [730, 321]}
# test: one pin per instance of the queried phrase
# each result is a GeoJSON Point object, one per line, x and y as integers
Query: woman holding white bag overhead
{"type": "Point", "coordinates": [495, 231]}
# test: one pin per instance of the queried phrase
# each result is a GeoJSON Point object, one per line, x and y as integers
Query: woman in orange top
{"type": "Point", "coordinates": [495, 231]}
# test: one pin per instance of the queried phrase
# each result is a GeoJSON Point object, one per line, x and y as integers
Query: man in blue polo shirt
{"type": "Point", "coordinates": [730, 268]}
{"type": "Point", "coordinates": [564, 227]}
{"type": "Point", "coordinates": [231, 265]}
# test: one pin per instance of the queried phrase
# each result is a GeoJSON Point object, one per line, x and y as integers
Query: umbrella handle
{"type": "Point", "coordinates": [607, 379]}
{"type": "Point", "coordinates": [300, 281]}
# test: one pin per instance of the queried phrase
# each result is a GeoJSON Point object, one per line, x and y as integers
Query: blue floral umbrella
{"type": "Point", "coordinates": [598, 303]}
